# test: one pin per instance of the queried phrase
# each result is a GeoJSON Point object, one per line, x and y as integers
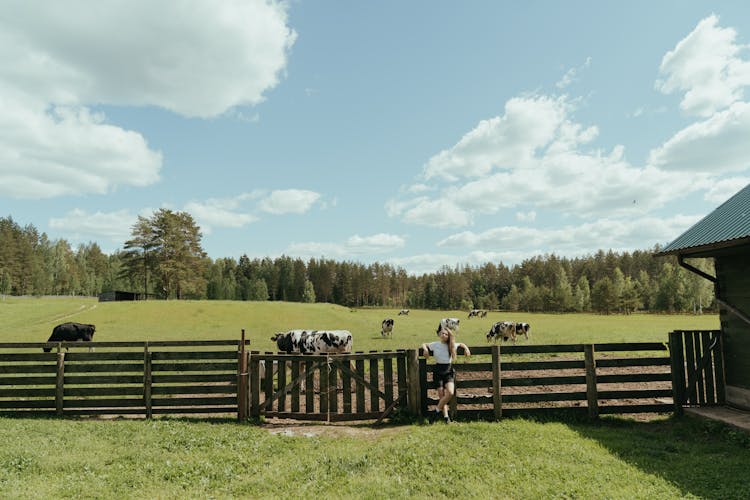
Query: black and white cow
{"type": "Point", "coordinates": [475, 313]}
{"type": "Point", "coordinates": [386, 328]}
{"type": "Point", "coordinates": [449, 323]}
{"type": "Point", "coordinates": [71, 332]}
{"type": "Point", "coordinates": [403, 312]}
{"type": "Point", "coordinates": [523, 328]}
{"type": "Point", "coordinates": [314, 341]}
{"type": "Point", "coordinates": [502, 330]}
{"type": "Point", "coordinates": [484, 313]}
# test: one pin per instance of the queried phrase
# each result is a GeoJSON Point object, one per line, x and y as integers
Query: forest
{"type": "Point", "coordinates": [164, 260]}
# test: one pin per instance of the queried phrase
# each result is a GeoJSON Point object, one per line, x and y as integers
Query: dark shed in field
{"type": "Point", "coordinates": [724, 235]}
{"type": "Point", "coordinates": [118, 295]}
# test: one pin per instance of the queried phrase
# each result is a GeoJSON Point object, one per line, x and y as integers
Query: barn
{"type": "Point", "coordinates": [724, 236]}
{"type": "Point", "coordinates": [118, 295]}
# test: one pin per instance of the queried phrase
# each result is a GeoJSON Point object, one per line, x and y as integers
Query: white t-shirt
{"type": "Point", "coordinates": [440, 351]}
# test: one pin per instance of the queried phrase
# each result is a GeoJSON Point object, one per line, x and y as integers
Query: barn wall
{"type": "Point", "coordinates": [733, 273]}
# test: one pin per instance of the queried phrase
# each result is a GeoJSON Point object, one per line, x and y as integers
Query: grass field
{"type": "Point", "coordinates": [32, 320]}
{"type": "Point", "coordinates": [170, 458]}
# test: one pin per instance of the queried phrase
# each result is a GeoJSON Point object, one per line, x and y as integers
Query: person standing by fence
{"type": "Point", "coordinates": [444, 374]}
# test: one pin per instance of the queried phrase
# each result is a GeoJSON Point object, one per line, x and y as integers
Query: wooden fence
{"type": "Point", "coordinates": [221, 377]}
{"type": "Point", "coordinates": [697, 368]}
{"type": "Point", "coordinates": [122, 378]}
{"type": "Point", "coordinates": [583, 379]}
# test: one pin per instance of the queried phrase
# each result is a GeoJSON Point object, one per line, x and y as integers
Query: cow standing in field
{"type": "Point", "coordinates": [449, 323]}
{"type": "Point", "coordinates": [314, 341]}
{"type": "Point", "coordinates": [403, 312]}
{"type": "Point", "coordinates": [386, 328]}
{"type": "Point", "coordinates": [475, 313]}
{"type": "Point", "coordinates": [71, 332]}
{"type": "Point", "coordinates": [523, 328]}
{"type": "Point", "coordinates": [502, 330]}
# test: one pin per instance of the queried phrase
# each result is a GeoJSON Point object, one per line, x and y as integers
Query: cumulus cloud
{"type": "Point", "coordinates": [353, 247]}
{"type": "Point", "coordinates": [57, 61]}
{"type": "Point", "coordinates": [286, 201]}
{"type": "Point", "coordinates": [220, 212]}
{"type": "Point", "coordinates": [79, 225]}
{"type": "Point", "coordinates": [707, 66]}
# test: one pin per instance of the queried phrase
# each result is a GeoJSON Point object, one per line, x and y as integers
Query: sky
{"type": "Point", "coordinates": [420, 134]}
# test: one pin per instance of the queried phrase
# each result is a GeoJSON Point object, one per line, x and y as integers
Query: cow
{"type": "Point", "coordinates": [403, 312]}
{"type": "Point", "coordinates": [523, 328]}
{"type": "Point", "coordinates": [449, 323]}
{"type": "Point", "coordinates": [484, 313]}
{"type": "Point", "coordinates": [475, 313]}
{"type": "Point", "coordinates": [71, 332]}
{"type": "Point", "coordinates": [314, 341]}
{"type": "Point", "coordinates": [502, 330]}
{"type": "Point", "coordinates": [386, 328]}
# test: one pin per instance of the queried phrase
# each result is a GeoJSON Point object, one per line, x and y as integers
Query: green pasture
{"type": "Point", "coordinates": [32, 320]}
{"type": "Point", "coordinates": [613, 459]}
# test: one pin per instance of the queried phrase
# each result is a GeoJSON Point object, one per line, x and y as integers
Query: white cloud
{"type": "Point", "coordinates": [79, 225]}
{"type": "Point", "coordinates": [353, 247]}
{"type": "Point", "coordinates": [526, 216]}
{"type": "Point", "coordinates": [220, 212]}
{"type": "Point", "coordinates": [721, 191]}
{"type": "Point", "coordinates": [718, 144]}
{"type": "Point", "coordinates": [285, 201]}
{"type": "Point", "coordinates": [707, 66]}
{"type": "Point", "coordinates": [617, 234]}
{"type": "Point", "coordinates": [571, 76]}
{"type": "Point", "coordinates": [195, 58]}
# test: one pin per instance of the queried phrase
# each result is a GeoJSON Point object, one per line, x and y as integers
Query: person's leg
{"type": "Point", "coordinates": [446, 397]}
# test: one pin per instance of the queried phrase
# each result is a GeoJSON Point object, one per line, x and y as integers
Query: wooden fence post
{"type": "Point", "coordinates": [592, 398]}
{"type": "Point", "coordinates": [412, 373]}
{"type": "Point", "coordinates": [497, 397]}
{"type": "Point", "coordinates": [677, 364]}
{"type": "Point", "coordinates": [60, 382]}
{"type": "Point", "coordinates": [242, 381]}
{"type": "Point", "coordinates": [147, 380]}
{"type": "Point", "coordinates": [255, 385]}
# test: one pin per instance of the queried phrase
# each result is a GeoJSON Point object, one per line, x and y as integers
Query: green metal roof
{"type": "Point", "coordinates": [725, 227]}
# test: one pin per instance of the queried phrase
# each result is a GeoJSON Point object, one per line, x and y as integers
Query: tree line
{"type": "Point", "coordinates": [164, 259]}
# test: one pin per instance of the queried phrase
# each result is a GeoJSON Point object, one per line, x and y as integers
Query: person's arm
{"type": "Point", "coordinates": [467, 352]}
{"type": "Point", "coordinates": [425, 350]}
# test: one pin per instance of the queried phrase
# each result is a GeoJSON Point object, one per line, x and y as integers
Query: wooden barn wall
{"type": "Point", "coordinates": [733, 273]}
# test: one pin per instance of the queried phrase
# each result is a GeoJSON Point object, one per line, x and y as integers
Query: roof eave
{"type": "Point", "coordinates": [709, 250]}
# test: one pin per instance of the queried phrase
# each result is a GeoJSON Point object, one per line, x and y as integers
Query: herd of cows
{"type": "Point", "coordinates": [318, 341]}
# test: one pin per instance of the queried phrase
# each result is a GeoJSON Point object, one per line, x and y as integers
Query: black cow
{"type": "Point", "coordinates": [71, 332]}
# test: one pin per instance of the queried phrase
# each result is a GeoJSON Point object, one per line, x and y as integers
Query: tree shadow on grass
{"type": "Point", "coordinates": [703, 458]}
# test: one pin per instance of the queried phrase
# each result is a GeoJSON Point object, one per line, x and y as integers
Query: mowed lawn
{"type": "Point", "coordinates": [32, 320]}
{"type": "Point", "coordinates": [515, 458]}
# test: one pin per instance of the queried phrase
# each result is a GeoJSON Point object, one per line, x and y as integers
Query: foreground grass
{"type": "Point", "coordinates": [681, 458]}
{"type": "Point", "coordinates": [32, 320]}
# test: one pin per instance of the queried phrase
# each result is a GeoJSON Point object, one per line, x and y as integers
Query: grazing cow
{"type": "Point", "coordinates": [386, 329]}
{"type": "Point", "coordinates": [502, 330]}
{"type": "Point", "coordinates": [403, 312]}
{"type": "Point", "coordinates": [484, 313]}
{"type": "Point", "coordinates": [449, 323]}
{"type": "Point", "coordinates": [523, 328]}
{"type": "Point", "coordinates": [474, 313]}
{"type": "Point", "coordinates": [314, 341]}
{"type": "Point", "coordinates": [71, 332]}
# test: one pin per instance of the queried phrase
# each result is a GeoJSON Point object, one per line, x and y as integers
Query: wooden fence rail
{"type": "Point", "coordinates": [136, 378]}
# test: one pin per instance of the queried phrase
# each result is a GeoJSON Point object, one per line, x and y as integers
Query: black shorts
{"type": "Point", "coordinates": [443, 374]}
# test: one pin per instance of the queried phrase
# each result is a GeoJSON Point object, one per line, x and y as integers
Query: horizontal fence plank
{"type": "Point", "coordinates": [141, 344]}
{"type": "Point", "coordinates": [632, 346]}
{"type": "Point", "coordinates": [188, 378]}
{"type": "Point", "coordinates": [195, 389]}
{"type": "Point", "coordinates": [314, 357]}
{"type": "Point", "coordinates": [634, 377]}
{"type": "Point", "coordinates": [99, 379]}
{"type": "Point", "coordinates": [544, 397]}
{"type": "Point", "coordinates": [103, 403]}
{"type": "Point", "coordinates": [542, 365]}
{"type": "Point", "coordinates": [193, 367]}
{"type": "Point", "coordinates": [529, 349]}
{"type": "Point", "coordinates": [46, 368]}
{"type": "Point", "coordinates": [104, 367]}
{"type": "Point", "coordinates": [27, 380]}
{"type": "Point", "coordinates": [15, 357]}
{"type": "Point", "coordinates": [79, 412]}
{"type": "Point", "coordinates": [191, 355]}
{"type": "Point", "coordinates": [94, 357]}
{"type": "Point", "coordinates": [636, 394]}
{"type": "Point", "coordinates": [28, 403]}
{"type": "Point", "coordinates": [203, 410]}
{"type": "Point", "coordinates": [193, 401]}
{"type": "Point", "coordinates": [103, 391]}
{"type": "Point", "coordinates": [27, 393]}
{"type": "Point", "coordinates": [620, 362]}
{"type": "Point", "coordinates": [519, 382]}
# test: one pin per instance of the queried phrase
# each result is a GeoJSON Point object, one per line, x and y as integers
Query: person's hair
{"type": "Point", "coordinates": [451, 342]}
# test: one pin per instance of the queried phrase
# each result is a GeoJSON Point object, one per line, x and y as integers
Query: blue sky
{"type": "Point", "coordinates": [417, 133]}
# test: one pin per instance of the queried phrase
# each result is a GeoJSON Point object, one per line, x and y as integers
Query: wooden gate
{"type": "Point", "coordinates": [697, 367]}
{"type": "Point", "coordinates": [327, 387]}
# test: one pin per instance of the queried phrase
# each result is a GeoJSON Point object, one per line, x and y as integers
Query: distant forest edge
{"type": "Point", "coordinates": [164, 259]}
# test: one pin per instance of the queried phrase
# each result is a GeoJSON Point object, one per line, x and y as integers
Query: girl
{"type": "Point", "coordinates": [444, 351]}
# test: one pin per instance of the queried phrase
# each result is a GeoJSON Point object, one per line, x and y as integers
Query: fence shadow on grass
{"type": "Point", "coordinates": [705, 459]}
